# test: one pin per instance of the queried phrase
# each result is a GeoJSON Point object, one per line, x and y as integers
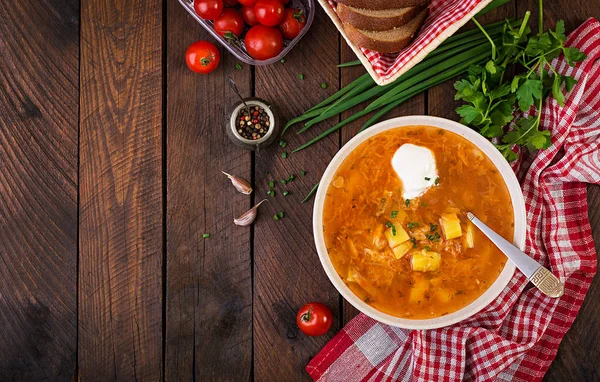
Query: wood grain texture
{"type": "Point", "coordinates": [287, 270]}
{"type": "Point", "coordinates": [414, 106]}
{"type": "Point", "coordinates": [209, 281]}
{"type": "Point", "coordinates": [38, 189]}
{"type": "Point", "coordinates": [120, 233]}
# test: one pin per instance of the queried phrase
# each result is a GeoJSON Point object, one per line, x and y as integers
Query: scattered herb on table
{"type": "Point", "coordinates": [492, 97]}
{"type": "Point", "coordinates": [276, 217]}
{"type": "Point", "coordinates": [301, 76]}
{"type": "Point", "coordinates": [302, 172]}
{"type": "Point", "coordinates": [238, 66]}
{"type": "Point", "coordinates": [286, 193]}
{"type": "Point", "coordinates": [271, 184]}
{"type": "Point", "coordinates": [282, 60]}
{"type": "Point", "coordinates": [311, 193]}
{"type": "Point", "coordinates": [280, 214]}
{"type": "Point", "coordinates": [206, 235]}
{"type": "Point", "coordinates": [323, 85]}
{"type": "Point", "coordinates": [282, 143]}
{"type": "Point", "coordinates": [271, 193]}
{"type": "Point", "coordinates": [284, 155]}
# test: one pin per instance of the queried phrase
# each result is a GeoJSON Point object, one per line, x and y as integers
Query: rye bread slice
{"type": "Point", "coordinates": [376, 20]}
{"type": "Point", "coordinates": [388, 41]}
{"type": "Point", "coordinates": [384, 4]}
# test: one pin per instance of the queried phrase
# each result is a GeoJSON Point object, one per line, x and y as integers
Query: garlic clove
{"type": "Point", "coordinates": [248, 217]}
{"type": "Point", "coordinates": [240, 184]}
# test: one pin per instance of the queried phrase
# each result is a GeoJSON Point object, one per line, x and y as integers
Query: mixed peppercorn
{"type": "Point", "coordinates": [253, 123]}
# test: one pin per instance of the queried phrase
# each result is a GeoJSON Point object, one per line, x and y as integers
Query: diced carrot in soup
{"type": "Point", "coordinates": [417, 258]}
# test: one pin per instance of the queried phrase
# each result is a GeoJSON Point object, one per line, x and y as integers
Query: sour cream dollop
{"type": "Point", "coordinates": [415, 166]}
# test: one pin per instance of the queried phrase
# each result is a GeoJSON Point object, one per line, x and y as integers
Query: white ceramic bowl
{"type": "Point", "coordinates": [518, 204]}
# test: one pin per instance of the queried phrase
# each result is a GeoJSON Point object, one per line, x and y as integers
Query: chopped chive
{"type": "Point", "coordinates": [275, 217]}
{"type": "Point", "coordinates": [394, 214]}
{"type": "Point", "coordinates": [282, 60]}
{"type": "Point", "coordinates": [431, 237]}
{"type": "Point", "coordinates": [283, 181]}
{"type": "Point", "coordinates": [407, 202]}
{"type": "Point", "coordinates": [286, 193]}
{"type": "Point", "coordinates": [427, 179]}
{"type": "Point", "coordinates": [271, 193]}
{"type": "Point", "coordinates": [302, 172]}
{"type": "Point", "coordinates": [393, 230]}
{"type": "Point", "coordinates": [280, 214]}
{"type": "Point", "coordinates": [433, 227]}
{"type": "Point", "coordinates": [291, 177]}
{"type": "Point", "coordinates": [437, 235]}
{"type": "Point", "coordinates": [389, 224]}
{"type": "Point", "coordinates": [311, 193]}
{"type": "Point", "coordinates": [284, 155]}
{"type": "Point", "coordinates": [282, 143]}
{"type": "Point", "coordinates": [301, 76]}
{"type": "Point", "coordinates": [414, 241]}
{"type": "Point", "coordinates": [206, 235]}
{"type": "Point", "coordinates": [437, 181]}
{"type": "Point", "coordinates": [349, 63]}
{"type": "Point", "coordinates": [411, 225]}
{"type": "Point", "coordinates": [323, 85]}
{"type": "Point", "coordinates": [271, 184]}
{"type": "Point", "coordinates": [427, 248]}
{"type": "Point", "coordinates": [424, 204]}
{"type": "Point", "coordinates": [238, 66]}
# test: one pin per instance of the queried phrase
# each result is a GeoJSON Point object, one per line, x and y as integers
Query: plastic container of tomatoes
{"type": "Point", "coordinates": [237, 47]}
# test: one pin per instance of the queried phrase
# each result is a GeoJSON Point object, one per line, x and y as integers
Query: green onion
{"type": "Point", "coordinates": [407, 202]}
{"type": "Point", "coordinates": [284, 155]}
{"type": "Point", "coordinates": [271, 184]}
{"type": "Point", "coordinates": [238, 66]}
{"type": "Point", "coordinates": [276, 217]}
{"type": "Point", "coordinates": [311, 193]}
{"type": "Point", "coordinates": [280, 214]}
{"type": "Point", "coordinates": [283, 181]}
{"type": "Point", "coordinates": [302, 172]}
{"type": "Point", "coordinates": [427, 248]}
{"type": "Point", "coordinates": [393, 230]}
{"type": "Point", "coordinates": [323, 85]}
{"type": "Point", "coordinates": [394, 214]}
{"type": "Point", "coordinates": [206, 235]}
{"type": "Point", "coordinates": [282, 143]}
{"type": "Point", "coordinates": [389, 224]}
{"type": "Point", "coordinates": [433, 227]}
{"type": "Point", "coordinates": [424, 204]}
{"type": "Point", "coordinates": [437, 181]}
{"type": "Point", "coordinates": [282, 60]}
{"type": "Point", "coordinates": [349, 63]}
{"type": "Point", "coordinates": [286, 193]}
{"type": "Point", "coordinates": [271, 193]}
{"type": "Point", "coordinates": [300, 76]}
{"type": "Point", "coordinates": [427, 179]}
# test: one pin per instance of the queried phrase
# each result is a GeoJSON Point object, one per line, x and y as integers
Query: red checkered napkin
{"type": "Point", "coordinates": [445, 18]}
{"type": "Point", "coordinates": [517, 336]}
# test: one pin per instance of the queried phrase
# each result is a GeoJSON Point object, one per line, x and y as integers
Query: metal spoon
{"type": "Point", "coordinates": [539, 276]}
{"type": "Point", "coordinates": [236, 91]}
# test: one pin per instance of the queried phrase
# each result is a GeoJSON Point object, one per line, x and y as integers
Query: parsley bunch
{"type": "Point", "coordinates": [492, 97]}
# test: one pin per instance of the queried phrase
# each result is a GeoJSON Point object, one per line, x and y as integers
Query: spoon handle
{"type": "Point", "coordinates": [539, 276]}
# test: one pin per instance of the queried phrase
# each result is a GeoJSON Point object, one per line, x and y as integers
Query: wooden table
{"type": "Point", "coordinates": [111, 154]}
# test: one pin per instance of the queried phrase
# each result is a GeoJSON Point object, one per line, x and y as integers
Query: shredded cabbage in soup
{"type": "Point", "coordinates": [418, 258]}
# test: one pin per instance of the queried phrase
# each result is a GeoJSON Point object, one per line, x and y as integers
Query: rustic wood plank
{"type": "Point", "coordinates": [38, 189]}
{"type": "Point", "coordinates": [414, 106]}
{"type": "Point", "coordinates": [120, 236]}
{"type": "Point", "coordinates": [579, 353]}
{"type": "Point", "coordinates": [209, 281]}
{"type": "Point", "coordinates": [287, 271]}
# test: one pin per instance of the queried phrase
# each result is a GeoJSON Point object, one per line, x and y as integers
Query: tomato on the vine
{"type": "Point", "coordinates": [202, 57]}
{"type": "Point", "coordinates": [269, 12]}
{"type": "Point", "coordinates": [208, 9]}
{"type": "Point", "coordinates": [314, 319]}
{"type": "Point", "coordinates": [230, 24]}
{"type": "Point", "coordinates": [248, 3]}
{"type": "Point", "coordinates": [249, 15]}
{"type": "Point", "coordinates": [263, 42]}
{"type": "Point", "coordinates": [293, 22]}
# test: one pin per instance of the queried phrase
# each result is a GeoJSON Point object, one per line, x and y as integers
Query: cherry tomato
{"type": "Point", "coordinates": [314, 319]}
{"type": "Point", "coordinates": [202, 57]}
{"type": "Point", "coordinates": [269, 12]}
{"type": "Point", "coordinates": [208, 9]}
{"type": "Point", "coordinates": [230, 24]}
{"type": "Point", "coordinates": [293, 22]}
{"type": "Point", "coordinates": [248, 3]}
{"type": "Point", "coordinates": [230, 3]}
{"type": "Point", "coordinates": [249, 15]}
{"type": "Point", "coordinates": [263, 42]}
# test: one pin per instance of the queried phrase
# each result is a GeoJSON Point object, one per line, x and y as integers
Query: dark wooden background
{"type": "Point", "coordinates": [111, 154]}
